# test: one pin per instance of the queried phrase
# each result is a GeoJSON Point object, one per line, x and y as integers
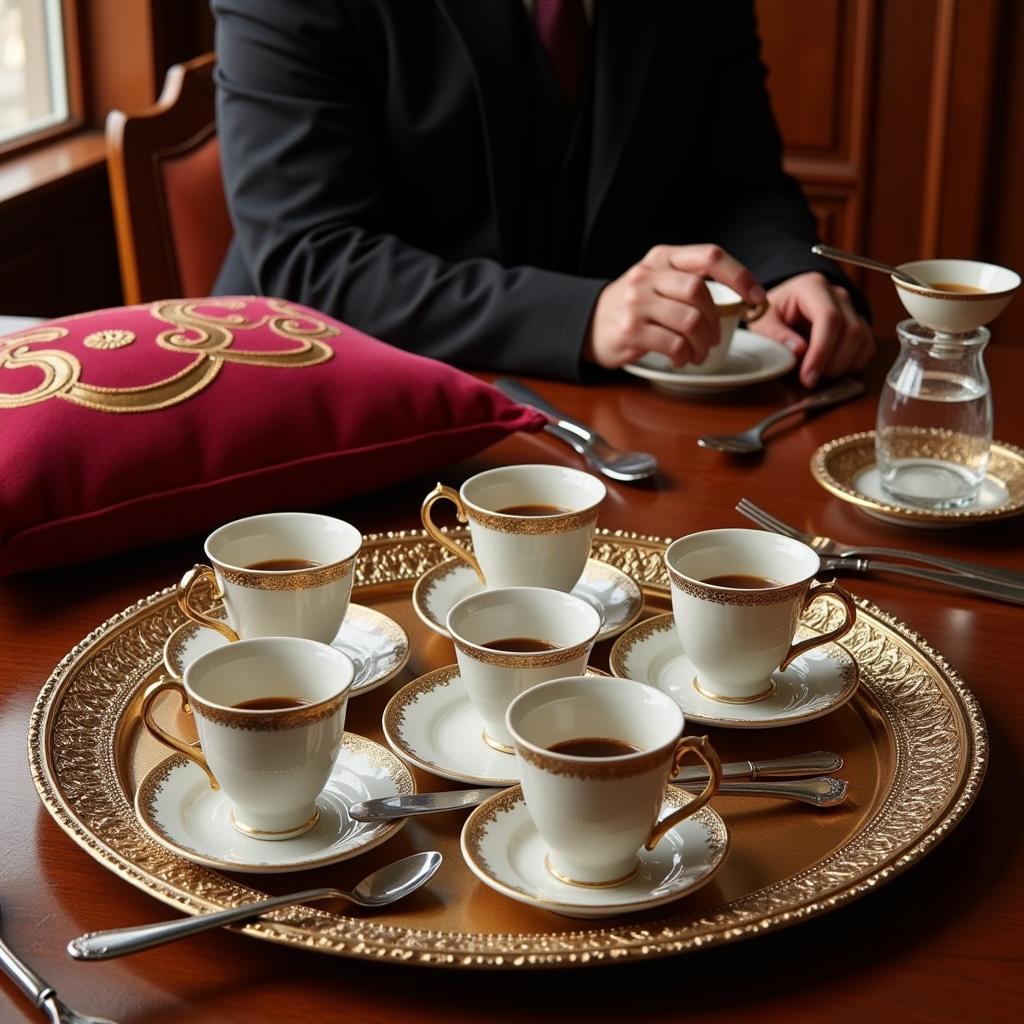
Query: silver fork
{"type": "Point", "coordinates": [749, 441]}
{"type": "Point", "coordinates": [39, 992]}
{"type": "Point", "coordinates": [828, 546]}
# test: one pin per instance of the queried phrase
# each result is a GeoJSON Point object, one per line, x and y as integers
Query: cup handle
{"type": "Point", "coordinates": [196, 575]}
{"type": "Point", "coordinates": [752, 313]}
{"type": "Point", "coordinates": [192, 753]}
{"type": "Point", "coordinates": [437, 494]}
{"type": "Point", "coordinates": [850, 617]}
{"type": "Point", "coordinates": [703, 749]}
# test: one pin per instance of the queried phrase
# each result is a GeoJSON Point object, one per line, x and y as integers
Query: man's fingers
{"type": "Point", "coordinates": [771, 325]}
{"type": "Point", "coordinates": [708, 261]}
{"type": "Point", "coordinates": [653, 337]}
{"type": "Point", "coordinates": [858, 344]}
{"type": "Point", "coordinates": [828, 326]}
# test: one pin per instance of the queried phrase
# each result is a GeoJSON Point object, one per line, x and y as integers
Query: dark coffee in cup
{"type": "Point", "coordinates": [593, 746]}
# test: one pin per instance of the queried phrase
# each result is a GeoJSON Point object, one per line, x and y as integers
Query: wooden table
{"type": "Point", "coordinates": [941, 942]}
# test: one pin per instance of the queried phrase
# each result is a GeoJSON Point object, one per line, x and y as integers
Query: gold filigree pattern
{"type": "Point", "coordinates": [837, 464]}
{"type": "Point", "coordinates": [931, 719]}
{"type": "Point", "coordinates": [625, 767]}
{"type": "Point", "coordinates": [525, 659]}
{"type": "Point", "coordinates": [302, 579]}
{"type": "Point", "coordinates": [196, 331]}
{"type": "Point", "coordinates": [268, 721]}
{"type": "Point", "coordinates": [109, 339]}
{"type": "Point", "coordinates": [532, 525]}
{"type": "Point", "coordinates": [746, 598]}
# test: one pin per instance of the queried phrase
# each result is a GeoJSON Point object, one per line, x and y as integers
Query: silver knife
{"type": "Point", "coordinates": [961, 581]}
{"type": "Point", "coordinates": [798, 766]}
{"type": "Point", "coordinates": [822, 791]}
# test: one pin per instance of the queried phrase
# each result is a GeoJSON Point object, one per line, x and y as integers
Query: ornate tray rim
{"type": "Point", "coordinates": [773, 907]}
{"type": "Point", "coordinates": [823, 457]}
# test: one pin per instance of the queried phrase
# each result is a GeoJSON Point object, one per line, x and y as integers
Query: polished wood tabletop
{"type": "Point", "coordinates": [940, 942]}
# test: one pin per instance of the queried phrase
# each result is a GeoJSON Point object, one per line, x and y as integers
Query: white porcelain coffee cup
{"type": "Point", "coordinates": [307, 600]}
{"type": "Point", "coordinates": [512, 549]}
{"type": "Point", "coordinates": [493, 677]}
{"type": "Point", "coordinates": [272, 763]}
{"type": "Point", "coordinates": [736, 636]}
{"type": "Point", "coordinates": [731, 309]}
{"type": "Point", "coordinates": [596, 813]}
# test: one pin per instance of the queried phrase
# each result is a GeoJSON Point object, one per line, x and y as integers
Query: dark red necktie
{"type": "Point", "coordinates": [562, 27]}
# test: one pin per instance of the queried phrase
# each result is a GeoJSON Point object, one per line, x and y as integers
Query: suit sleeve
{"type": "Point", "coordinates": [302, 159]}
{"type": "Point", "coordinates": [759, 213]}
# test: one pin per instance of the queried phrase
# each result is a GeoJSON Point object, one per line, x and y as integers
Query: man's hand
{"type": "Point", "coordinates": [662, 305]}
{"type": "Point", "coordinates": [808, 314]}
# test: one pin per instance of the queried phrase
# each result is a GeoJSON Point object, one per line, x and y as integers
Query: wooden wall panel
{"type": "Point", "coordinates": [819, 54]}
{"type": "Point", "coordinates": [904, 152]}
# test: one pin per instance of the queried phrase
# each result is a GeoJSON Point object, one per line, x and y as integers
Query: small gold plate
{"type": "Point", "coordinates": [842, 467]}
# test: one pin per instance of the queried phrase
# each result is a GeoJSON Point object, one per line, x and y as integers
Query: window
{"type": "Point", "coordinates": [33, 80]}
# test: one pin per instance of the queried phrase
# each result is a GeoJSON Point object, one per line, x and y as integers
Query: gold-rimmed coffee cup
{"type": "Point", "coordinates": [531, 525]}
{"type": "Point", "coordinates": [737, 598]}
{"type": "Point", "coordinates": [270, 714]}
{"type": "Point", "coordinates": [596, 812]}
{"type": "Point", "coordinates": [511, 638]}
{"type": "Point", "coordinates": [278, 574]}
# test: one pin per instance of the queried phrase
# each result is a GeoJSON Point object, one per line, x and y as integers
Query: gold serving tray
{"type": "Point", "coordinates": [913, 738]}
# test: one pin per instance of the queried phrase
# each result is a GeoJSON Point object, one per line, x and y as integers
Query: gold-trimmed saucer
{"type": "Point", "coordinates": [501, 846]}
{"type": "Point", "coordinates": [815, 684]}
{"type": "Point", "coordinates": [432, 724]}
{"type": "Point", "coordinates": [615, 593]}
{"type": "Point", "coordinates": [377, 646]}
{"type": "Point", "coordinates": [176, 806]}
{"type": "Point", "coordinates": [846, 468]}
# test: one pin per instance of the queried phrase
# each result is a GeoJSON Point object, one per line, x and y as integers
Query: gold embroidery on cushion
{"type": "Point", "coordinates": [112, 338]}
{"type": "Point", "coordinates": [61, 370]}
{"type": "Point", "coordinates": [207, 337]}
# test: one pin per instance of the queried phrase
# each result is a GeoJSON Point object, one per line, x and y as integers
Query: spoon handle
{"type": "Point", "coordinates": [841, 392]}
{"type": "Point", "coordinates": [121, 941]}
{"type": "Point", "coordinates": [842, 256]}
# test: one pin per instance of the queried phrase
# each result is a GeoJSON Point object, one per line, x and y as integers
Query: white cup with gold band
{"type": "Point", "coordinates": [511, 638]}
{"type": "Point", "coordinates": [595, 812]}
{"type": "Point", "coordinates": [270, 714]}
{"type": "Point", "coordinates": [737, 598]}
{"type": "Point", "coordinates": [279, 574]}
{"type": "Point", "coordinates": [531, 525]}
{"type": "Point", "coordinates": [731, 309]}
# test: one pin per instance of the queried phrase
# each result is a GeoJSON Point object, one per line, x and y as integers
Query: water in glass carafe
{"type": "Point", "coordinates": [934, 426]}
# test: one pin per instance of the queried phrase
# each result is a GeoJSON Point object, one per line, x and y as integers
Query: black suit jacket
{"type": "Point", "coordinates": [380, 162]}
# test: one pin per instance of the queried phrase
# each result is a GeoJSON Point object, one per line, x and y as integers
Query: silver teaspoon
{"type": "Point", "coordinates": [749, 441]}
{"type": "Point", "coordinates": [604, 457]}
{"type": "Point", "coordinates": [842, 256]}
{"type": "Point", "coordinates": [376, 890]}
{"type": "Point", "coordinates": [820, 792]}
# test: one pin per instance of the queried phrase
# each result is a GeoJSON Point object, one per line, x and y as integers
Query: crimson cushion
{"type": "Point", "coordinates": [130, 426]}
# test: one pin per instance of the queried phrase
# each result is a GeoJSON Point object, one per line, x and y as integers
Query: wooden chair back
{"type": "Point", "coordinates": [170, 213]}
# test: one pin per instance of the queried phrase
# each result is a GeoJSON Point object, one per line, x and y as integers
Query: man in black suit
{"type": "Point", "coordinates": [462, 181]}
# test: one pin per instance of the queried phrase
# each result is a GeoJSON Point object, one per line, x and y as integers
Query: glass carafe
{"type": "Point", "coordinates": [934, 426]}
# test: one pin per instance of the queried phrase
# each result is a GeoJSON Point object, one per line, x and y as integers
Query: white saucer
{"type": "Point", "coordinates": [502, 847]}
{"type": "Point", "coordinates": [611, 590]}
{"type": "Point", "coordinates": [817, 683]}
{"type": "Point", "coordinates": [752, 358]}
{"type": "Point", "coordinates": [176, 806]}
{"type": "Point", "coordinates": [431, 723]}
{"type": "Point", "coordinates": [377, 645]}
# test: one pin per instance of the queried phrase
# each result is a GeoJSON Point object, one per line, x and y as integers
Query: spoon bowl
{"type": "Point", "coordinates": [383, 886]}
